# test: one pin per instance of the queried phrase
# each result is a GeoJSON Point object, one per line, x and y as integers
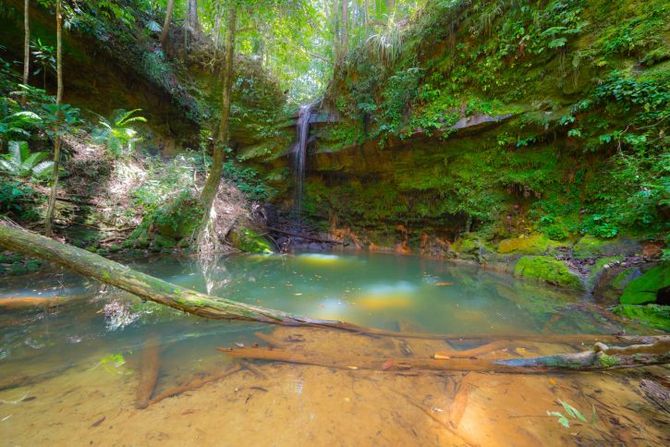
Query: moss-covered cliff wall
{"type": "Point", "coordinates": [503, 118]}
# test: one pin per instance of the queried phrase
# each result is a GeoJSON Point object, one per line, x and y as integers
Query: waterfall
{"type": "Point", "coordinates": [300, 156]}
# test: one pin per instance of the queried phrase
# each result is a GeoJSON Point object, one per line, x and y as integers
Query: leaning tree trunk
{"type": "Point", "coordinates": [57, 139]}
{"type": "Point", "coordinates": [166, 24]}
{"type": "Point", "coordinates": [214, 178]}
{"type": "Point", "coordinates": [153, 289]}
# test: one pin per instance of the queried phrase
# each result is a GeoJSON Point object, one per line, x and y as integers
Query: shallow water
{"type": "Point", "coordinates": [77, 365]}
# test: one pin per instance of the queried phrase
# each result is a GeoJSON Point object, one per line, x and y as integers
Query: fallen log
{"type": "Point", "coordinates": [305, 237]}
{"type": "Point", "coordinates": [94, 266]}
{"type": "Point", "coordinates": [596, 359]}
{"type": "Point", "coordinates": [14, 238]}
{"type": "Point", "coordinates": [194, 384]}
{"type": "Point", "coordinates": [149, 368]}
{"type": "Point", "coordinates": [21, 380]}
{"type": "Point", "coordinates": [42, 302]}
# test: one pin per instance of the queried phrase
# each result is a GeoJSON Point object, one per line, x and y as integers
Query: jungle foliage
{"type": "Point", "coordinates": [584, 89]}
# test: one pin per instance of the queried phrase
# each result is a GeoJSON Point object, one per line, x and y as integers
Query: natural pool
{"type": "Point", "coordinates": [70, 373]}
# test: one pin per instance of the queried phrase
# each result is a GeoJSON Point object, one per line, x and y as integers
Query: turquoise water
{"type": "Point", "coordinates": [384, 291]}
{"type": "Point", "coordinates": [72, 372]}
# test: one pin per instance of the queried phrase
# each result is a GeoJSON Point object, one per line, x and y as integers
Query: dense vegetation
{"type": "Point", "coordinates": [581, 89]}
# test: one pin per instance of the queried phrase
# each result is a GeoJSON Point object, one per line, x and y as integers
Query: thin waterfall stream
{"type": "Point", "coordinates": [300, 157]}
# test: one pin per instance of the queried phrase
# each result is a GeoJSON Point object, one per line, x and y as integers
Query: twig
{"type": "Point", "coordinates": [302, 236]}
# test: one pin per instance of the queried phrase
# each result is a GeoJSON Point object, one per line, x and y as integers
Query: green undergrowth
{"type": "Point", "coordinates": [652, 315]}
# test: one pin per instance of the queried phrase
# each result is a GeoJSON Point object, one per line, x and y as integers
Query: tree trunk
{"type": "Point", "coordinates": [57, 140]}
{"type": "Point", "coordinates": [366, 17]}
{"type": "Point", "coordinates": [214, 178]}
{"type": "Point", "coordinates": [145, 286]}
{"type": "Point", "coordinates": [345, 28]}
{"type": "Point", "coordinates": [26, 46]}
{"type": "Point", "coordinates": [192, 19]}
{"type": "Point", "coordinates": [166, 24]}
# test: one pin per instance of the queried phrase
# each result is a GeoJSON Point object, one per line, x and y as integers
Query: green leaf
{"type": "Point", "coordinates": [34, 159]}
{"type": "Point", "coordinates": [19, 151]}
{"type": "Point", "coordinates": [572, 411]}
{"type": "Point", "coordinates": [561, 418]}
{"type": "Point", "coordinates": [557, 43]}
{"type": "Point", "coordinates": [43, 169]}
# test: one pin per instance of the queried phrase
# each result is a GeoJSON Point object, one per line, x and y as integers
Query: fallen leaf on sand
{"type": "Point", "coordinates": [388, 365]}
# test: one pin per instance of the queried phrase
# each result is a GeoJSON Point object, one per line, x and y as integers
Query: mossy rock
{"type": "Point", "coordinates": [248, 241]}
{"type": "Point", "coordinates": [592, 247]}
{"type": "Point", "coordinates": [624, 277]}
{"type": "Point", "coordinates": [600, 266]}
{"type": "Point", "coordinates": [470, 244]}
{"type": "Point", "coordinates": [547, 269]}
{"type": "Point", "coordinates": [535, 244]}
{"type": "Point", "coordinates": [160, 242]}
{"type": "Point", "coordinates": [179, 218]}
{"type": "Point", "coordinates": [645, 288]}
{"type": "Point", "coordinates": [608, 284]}
{"type": "Point", "coordinates": [652, 315]}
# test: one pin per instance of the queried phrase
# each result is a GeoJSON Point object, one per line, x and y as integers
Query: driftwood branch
{"type": "Point", "coordinates": [194, 384]}
{"type": "Point", "coordinates": [304, 236]}
{"type": "Point", "coordinates": [149, 369]}
{"type": "Point", "coordinates": [601, 357]}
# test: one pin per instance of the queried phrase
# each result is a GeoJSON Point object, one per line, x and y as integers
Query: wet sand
{"type": "Point", "coordinates": [278, 404]}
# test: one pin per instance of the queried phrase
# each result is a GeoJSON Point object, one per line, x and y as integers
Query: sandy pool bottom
{"type": "Point", "coordinates": [278, 404]}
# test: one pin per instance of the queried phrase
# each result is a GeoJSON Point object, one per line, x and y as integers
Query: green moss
{"type": "Point", "coordinates": [644, 289]}
{"type": "Point", "coordinates": [624, 277]}
{"type": "Point", "coordinates": [163, 243]}
{"type": "Point", "coordinates": [607, 361]}
{"type": "Point", "coordinates": [592, 247]}
{"type": "Point", "coordinates": [535, 244]}
{"type": "Point", "coordinates": [248, 241]}
{"type": "Point", "coordinates": [179, 218]}
{"type": "Point", "coordinates": [547, 269]}
{"type": "Point", "coordinates": [652, 315]}
{"type": "Point", "coordinates": [467, 244]}
{"type": "Point", "coordinates": [588, 247]}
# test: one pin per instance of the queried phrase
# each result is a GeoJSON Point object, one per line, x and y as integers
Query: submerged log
{"type": "Point", "coordinates": [149, 368]}
{"type": "Point", "coordinates": [598, 358]}
{"type": "Point", "coordinates": [194, 384]}
{"type": "Point", "coordinates": [21, 380]}
{"type": "Point", "coordinates": [40, 302]}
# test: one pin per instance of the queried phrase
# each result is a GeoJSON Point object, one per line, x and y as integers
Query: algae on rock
{"type": "Point", "coordinates": [249, 241]}
{"type": "Point", "coordinates": [652, 315]}
{"type": "Point", "coordinates": [645, 289]}
{"type": "Point", "coordinates": [547, 269]}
